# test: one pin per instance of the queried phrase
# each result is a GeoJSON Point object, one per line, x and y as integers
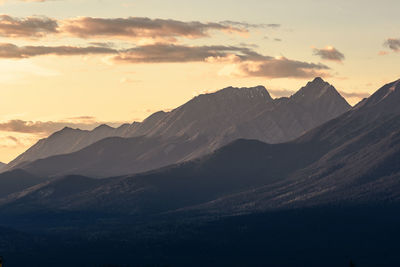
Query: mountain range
{"type": "Point", "coordinates": [354, 158]}
{"type": "Point", "coordinates": [194, 129]}
{"type": "Point", "coordinates": [323, 198]}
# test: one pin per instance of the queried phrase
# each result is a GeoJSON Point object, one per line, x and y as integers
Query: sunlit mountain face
{"type": "Point", "coordinates": [199, 133]}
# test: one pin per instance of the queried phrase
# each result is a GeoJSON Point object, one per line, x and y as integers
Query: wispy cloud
{"type": "Point", "coordinates": [329, 53]}
{"type": "Point", "coordinates": [9, 141]}
{"type": "Point", "coordinates": [44, 128]}
{"type": "Point", "coordinates": [281, 92]}
{"type": "Point", "coordinates": [91, 118]}
{"type": "Point", "coordinates": [38, 127]}
{"type": "Point", "coordinates": [393, 44]}
{"type": "Point", "coordinates": [8, 50]}
{"type": "Point", "coordinates": [355, 94]}
{"type": "Point", "coordinates": [247, 25]}
{"type": "Point", "coordinates": [27, 27]}
{"type": "Point", "coordinates": [142, 27]}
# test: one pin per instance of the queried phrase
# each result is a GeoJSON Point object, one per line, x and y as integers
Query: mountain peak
{"type": "Point", "coordinates": [318, 80]}
{"type": "Point", "coordinates": [388, 96]}
{"type": "Point", "coordinates": [254, 92]}
{"type": "Point", "coordinates": [64, 131]}
{"type": "Point", "coordinates": [66, 128]}
{"type": "Point", "coordinates": [316, 89]}
{"type": "Point", "coordinates": [155, 117]}
{"type": "Point", "coordinates": [103, 127]}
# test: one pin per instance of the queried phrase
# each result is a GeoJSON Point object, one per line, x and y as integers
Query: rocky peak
{"type": "Point", "coordinates": [259, 92]}
{"type": "Point", "coordinates": [319, 91]}
{"type": "Point", "coordinates": [387, 98]}
{"type": "Point", "coordinates": [103, 128]}
{"type": "Point", "coordinates": [315, 89]}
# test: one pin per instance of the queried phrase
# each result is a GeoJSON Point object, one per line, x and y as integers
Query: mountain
{"type": "Point", "coordinates": [65, 141]}
{"type": "Point", "coordinates": [351, 160]}
{"type": "Point", "coordinates": [202, 125]}
{"type": "Point", "coordinates": [326, 198]}
{"type": "Point", "coordinates": [2, 165]}
{"type": "Point", "coordinates": [115, 156]}
{"type": "Point", "coordinates": [360, 162]}
{"type": "Point", "coordinates": [17, 180]}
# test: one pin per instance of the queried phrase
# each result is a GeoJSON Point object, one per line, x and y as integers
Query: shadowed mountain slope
{"type": "Point", "coordinates": [2, 165]}
{"type": "Point", "coordinates": [17, 180]}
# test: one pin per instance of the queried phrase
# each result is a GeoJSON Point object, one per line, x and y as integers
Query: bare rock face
{"type": "Point", "coordinates": [202, 125]}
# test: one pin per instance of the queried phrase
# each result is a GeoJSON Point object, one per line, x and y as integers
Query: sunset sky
{"type": "Point", "coordinates": [80, 63]}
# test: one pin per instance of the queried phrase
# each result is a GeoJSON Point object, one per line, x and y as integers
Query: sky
{"type": "Point", "coordinates": [81, 63]}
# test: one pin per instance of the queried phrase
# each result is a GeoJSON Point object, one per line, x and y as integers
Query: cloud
{"type": "Point", "coordinates": [128, 28]}
{"type": "Point", "coordinates": [8, 50]}
{"type": "Point", "coordinates": [82, 119]}
{"type": "Point", "coordinates": [393, 44]}
{"type": "Point", "coordinates": [249, 45]}
{"type": "Point", "coordinates": [283, 68]}
{"type": "Point", "coordinates": [281, 92]}
{"type": "Point", "coordinates": [45, 128]}
{"type": "Point", "coordinates": [9, 141]}
{"type": "Point", "coordinates": [14, 140]}
{"type": "Point", "coordinates": [329, 53]}
{"type": "Point", "coordinates": [243, 60]}
{"type": "Point", "coordinates": [132, 28]}
{"type": "Point", "coordinates": [355, 94]}
{"type": "Point", "coordinates": [27, 27]}
{"type": "Point", "coordinates": [22, 126]}
{"type": "Point", "coordinates": [142, 27]}
{"type": "Point", "coordinates": [249, 25]}
{"type": "Point", "coordinates": [170, 53]}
